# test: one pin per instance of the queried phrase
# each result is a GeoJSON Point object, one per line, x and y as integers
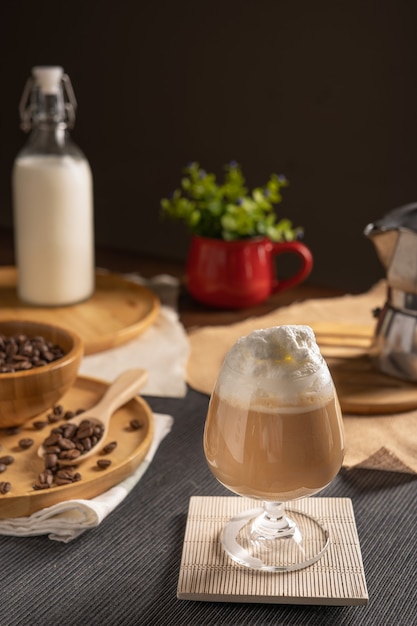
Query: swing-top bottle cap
{"type": "Point", "coordinates": [48, 78]}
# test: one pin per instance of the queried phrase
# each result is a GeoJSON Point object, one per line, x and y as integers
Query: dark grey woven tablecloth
{"type": "Point", "coordinates": [125, 572]}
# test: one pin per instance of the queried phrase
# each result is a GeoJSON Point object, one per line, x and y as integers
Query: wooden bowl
{"type": "Point", "coordinates": [25, 394]}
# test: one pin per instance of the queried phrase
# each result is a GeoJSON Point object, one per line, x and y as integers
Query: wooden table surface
{"type": "Point", "coordinates": [144, 547]}
{"type": "Point", "coordinates": [192, 313]}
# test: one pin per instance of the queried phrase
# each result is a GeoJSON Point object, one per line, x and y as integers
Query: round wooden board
{"type": "Point", "coordinates": [363, 390]}
{"type": "Point", "coordinates": [132, 447]}
{"type": "Point", "coordinates": [118, 311]}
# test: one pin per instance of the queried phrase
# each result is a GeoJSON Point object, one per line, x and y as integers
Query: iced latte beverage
{"type": "Point", "coordinates": [274, 427]}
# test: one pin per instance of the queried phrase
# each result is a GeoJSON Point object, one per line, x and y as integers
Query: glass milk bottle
{"type": "Point", "coordinates": [52, 198]}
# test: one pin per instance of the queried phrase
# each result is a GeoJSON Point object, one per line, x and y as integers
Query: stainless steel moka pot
{"type": "Point", "coordinates": [394, 348]}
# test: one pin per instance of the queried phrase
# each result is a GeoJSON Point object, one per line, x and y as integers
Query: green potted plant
{"type": "Point", "coordinates": [235, 236]}
{"type": "Point", "coordinates": [229, 210]}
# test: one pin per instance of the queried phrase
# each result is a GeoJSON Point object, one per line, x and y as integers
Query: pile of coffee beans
{"type": "Point", "coordinates": [56, 476]}
{"type": "Point", "coordinates": [65, 441]}
{"type": "Point", "coordinates": [69, 441]}
{"type": "Point", "coordinates": [20, 352]}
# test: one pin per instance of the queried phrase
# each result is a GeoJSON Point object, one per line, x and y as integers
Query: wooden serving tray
{"type": "Point", "coordinates": [132, 447]}
{"type": "Point", "coordinates": [364, 390]}
{"type": "Point", "coordinates": [118, 311]}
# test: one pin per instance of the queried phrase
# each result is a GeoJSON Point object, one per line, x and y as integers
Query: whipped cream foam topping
{"type": "Point", "coordinates": [282, 362]}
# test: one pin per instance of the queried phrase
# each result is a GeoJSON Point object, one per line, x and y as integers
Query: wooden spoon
{"type": "Point", "coordinates": [123, 389]}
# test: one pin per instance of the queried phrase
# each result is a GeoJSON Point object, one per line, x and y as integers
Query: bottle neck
{"type": "Point", "coordinates": [49, 137]}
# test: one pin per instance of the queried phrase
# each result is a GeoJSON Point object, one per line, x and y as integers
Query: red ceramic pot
{"type": "Point", "coordinates": [242, 273]}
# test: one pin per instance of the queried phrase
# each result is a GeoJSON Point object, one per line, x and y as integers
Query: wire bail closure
{"type": "Point", "coordinates": [25, 109]}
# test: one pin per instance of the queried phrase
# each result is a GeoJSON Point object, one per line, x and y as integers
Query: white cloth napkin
{"type": "Point", "coordinates": [162, 349]}
{"type": "Point", "coordinates": [67, 520]}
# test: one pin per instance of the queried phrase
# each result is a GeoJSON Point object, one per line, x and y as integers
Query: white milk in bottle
{"type": "Point", "coordinates": [52, 199]}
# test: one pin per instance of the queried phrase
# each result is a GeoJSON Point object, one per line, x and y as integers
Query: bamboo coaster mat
{"type": "Point", "coordinates": [207, 573]}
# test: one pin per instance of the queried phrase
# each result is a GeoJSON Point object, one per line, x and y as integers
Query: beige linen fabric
{"type": "Point", "coordinates": [387, 442]}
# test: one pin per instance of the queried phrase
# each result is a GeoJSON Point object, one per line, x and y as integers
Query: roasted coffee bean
{"type": "Point", "coordinates": [69, 431]}
{"type": "Point", "coordinates": [20, 352]}
{"type": "Point", "coordinates": [53, 439]}
{"type": "Point", "coordinates": [66, 480]}
{"type": "Point", "coordinates": [46, 477]}
{"type": "Point", "coordinates": [69, 415]}
{"type": "Point", "coordinates": [56, 414]}
{"type": "Point", "coordinates": [3, 467]}
{"type": "Point", "coordinates": [69, 455]}
{"type": "Point", "coordinates": [103, 463]}
{"type": "Point", "coordinates": [39, 424]}
{"type": "Point", "coordinates": [5, 487]}
{"type": "Point", "coordinates": [135, 424]}
{"type": "Point", "coordinates": [51, 461]}
{"type": "Point", "coordinates": [109, 447]}
{"type": "Point", "coordinates": [85, 429]}
{"type": "Point", "coordinates": [52, 449]}
{"type": "Point", "coordinates": [66, 444]}
{"type": "Point", "coordinates": [65, 473]}
{"type": "Point", "coordinates": [7, 460]}
{"type": "Point", "coordinates": [66, 476]}
{"type": "Point", "coordinates": [87, 443]}
{"type": "Point", "coordinates": [53, 418]}
{"type": "Point", "coordinates": [39, 486]}
{"type": "Point", "coordinates": [23, 365]}
{"type": "Point", "coordinates": [26, 443]}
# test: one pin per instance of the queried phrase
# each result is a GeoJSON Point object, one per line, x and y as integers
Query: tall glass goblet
{"type": "Point", "coordinates": [274, 433]}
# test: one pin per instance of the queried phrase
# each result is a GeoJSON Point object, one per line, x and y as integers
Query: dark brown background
{"type": "Point", "coordinates": [324, 92]}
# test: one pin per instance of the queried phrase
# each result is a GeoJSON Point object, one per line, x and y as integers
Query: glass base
{"type": "Point", "coordinates": [269, 539]}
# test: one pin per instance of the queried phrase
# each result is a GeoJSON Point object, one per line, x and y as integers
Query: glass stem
{"type": "Point", "coordinates": [272, 523]}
